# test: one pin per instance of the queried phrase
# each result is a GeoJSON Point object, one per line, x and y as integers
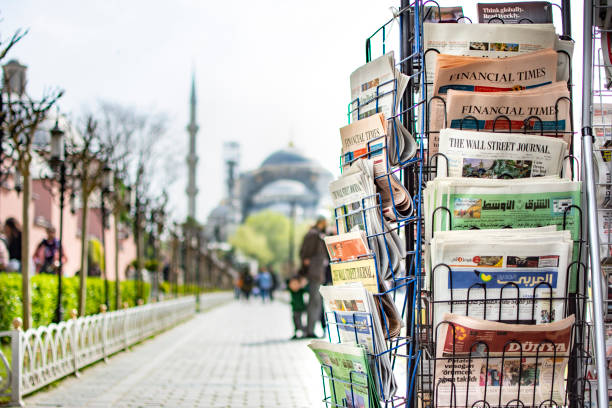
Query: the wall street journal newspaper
{"type": "Point", "coordinates": [499, 155]}
{"type": "Point", "coordinates": [469, 360]}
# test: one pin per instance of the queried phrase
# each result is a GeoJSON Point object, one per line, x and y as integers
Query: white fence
{"type": "Point", "coordinates": [49, 353]}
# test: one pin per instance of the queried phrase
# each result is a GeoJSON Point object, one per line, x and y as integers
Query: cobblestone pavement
{"type": "Point", "coordinates": [236, 355]}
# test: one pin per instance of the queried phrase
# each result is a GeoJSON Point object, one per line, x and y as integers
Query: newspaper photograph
{"type": "Point", "coordinates": [540, 111]}
{"type": "Point", "coordinates": [499, 155]}
{"type": "Point", "coordinates": [347, 246]}
{"type": "Point", "coordinates": [350, 381]}
{"type": "Point", "coordinates": [512, 276]}
{"type": "Point", "coordinates": [470, 368]}
{"type": "Point", "coordinates": [493, 41]}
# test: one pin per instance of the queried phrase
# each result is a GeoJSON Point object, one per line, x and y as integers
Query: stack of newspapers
{"type": "Point", "coordinates": [501, 213]}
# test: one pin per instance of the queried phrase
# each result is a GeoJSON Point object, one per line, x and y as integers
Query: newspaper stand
{"type": "Point", "coordinates": [417, 347]}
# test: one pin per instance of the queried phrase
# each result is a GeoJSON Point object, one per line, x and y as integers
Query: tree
{"type": "Point", "coordinates": [88, 155]}
{"type": "Point", "coordinates": [21, 117]}
{"type": "Point", "coordinates": [265, 237]}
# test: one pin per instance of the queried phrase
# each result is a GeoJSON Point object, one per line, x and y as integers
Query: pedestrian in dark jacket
{"type": "Point", "coordinates": [314, 261]}
{"type": "Point", "coordinates": [297, 288]}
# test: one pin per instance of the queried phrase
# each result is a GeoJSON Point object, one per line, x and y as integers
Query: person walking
{"type": "Point", "coordinates": [47, 255]}
{"type": "Point", "coordinates": [264, 282]}
{"type": "Point", "coordinates": [313, 255]}
{"type": "Point", "coordinates": [297, 288]}
{"type": "Point", "coordinates": [247, 284]}
{"type": "Point", "coordinates": [12, 231]}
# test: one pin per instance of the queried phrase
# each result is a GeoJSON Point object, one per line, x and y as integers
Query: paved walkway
{"type": "Point", "coordinates": [236, 355]}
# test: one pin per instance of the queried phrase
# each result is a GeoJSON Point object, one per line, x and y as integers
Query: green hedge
{"type": "Point", "coordinates": [44, 297]}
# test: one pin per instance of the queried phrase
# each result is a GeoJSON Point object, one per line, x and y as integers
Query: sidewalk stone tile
{"type": "Point", "coordinates": [236, 355]}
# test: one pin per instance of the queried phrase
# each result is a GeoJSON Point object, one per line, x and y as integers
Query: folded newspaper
{"type": "Point", "coordinates": [494, 41]}
{"type": "Point", "coordinates": [357, 209]}
{"type": "Point", "coordinates": [480, 362]}
{"type": "Point", "coordinates": [353, 311]}
{"type": "Point", "coordinates": [366, 139]}
{"type": "Point", "coordinates": [378, 87]}
{"type": "Point", "coordinates": [499, 155]}
{"type": "Point", "coordinates": [508, 275]}
{"type": "Point", "coordinates": [347, 246]}
{"type": "Point", "coordinates": [350, 381]}
{"type": "Point", "coordinates": [542, 111]}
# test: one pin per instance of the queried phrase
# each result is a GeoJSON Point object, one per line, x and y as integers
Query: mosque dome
{"type": "Point", "coordinates": [289, 155]}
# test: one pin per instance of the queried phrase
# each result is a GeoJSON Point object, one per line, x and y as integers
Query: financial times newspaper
{"type": "Point", "coordinates": [469, 366]}
{"type": "Point", "coordinates": [539, 111]}
{"type": "Point", "coordinates": [513, 275]}
{"type": "Point", "coordinates": [494, 41]}
{"type": "Point", "coordinates": [499, 155]}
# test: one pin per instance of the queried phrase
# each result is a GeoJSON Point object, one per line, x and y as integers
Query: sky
{"type": "Point", "coordinates": [268, 73]}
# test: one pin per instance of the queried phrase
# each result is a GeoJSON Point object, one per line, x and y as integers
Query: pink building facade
{"type": "Point", "coordinates": [45, 211]}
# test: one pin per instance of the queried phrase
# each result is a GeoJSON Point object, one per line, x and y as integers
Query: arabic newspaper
{"type": "Point", "coordinates": [540, 111]}
{"type": "Point", "coordinates": [479, 360]}
{"type": "Point", "coordinates": [513, 276]}
{"type": "Point", "coordinates": [499, 155]}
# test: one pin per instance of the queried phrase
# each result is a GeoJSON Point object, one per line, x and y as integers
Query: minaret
{"type": "Point", "coordinates": [192, 158]}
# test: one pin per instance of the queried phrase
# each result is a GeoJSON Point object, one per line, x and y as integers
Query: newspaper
{"type": "Point", "coordinates": [544, 110]}
{"type": "Point", "coordinates": [352, 309]}
{"type": "Point", "coordinates": [527, 269]}
{"type": "Point", "coordinates": [479, 361]}
{"type": "Point", "coordinates": [366, 138]}
{"type": "Point", "coordinates": [499, 155]}
{"type": "Point", "coordinates": [496, 203]}
{"type": "Point", "coordinates": [436, 14]}
{"type": "Point", "coordinates": [538, 12]}
{"type": "Point", "coordinates": [347, 246]}
{"type": "Point", "coordinates": [347, 369]}
{"type": "Point", "coordinates": [357, 209]}
{"type": "Point", "coordinates": [602, 153]}
{"type": "Point", "coordinates": [494, 41]}
{"type": "Point", "coordinates": [377, 87]}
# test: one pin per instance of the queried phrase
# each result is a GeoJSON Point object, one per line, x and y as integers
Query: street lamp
{"type": "Point", "coordinates": [107, 188]}
{"type": "Point", "coordinates": [58, 162]}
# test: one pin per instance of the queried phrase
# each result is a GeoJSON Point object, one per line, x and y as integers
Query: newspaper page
{"type": "Point", "coordinates": [435, 14]}
{"type": "Point", "coordinates": [347, 246]}
{"type": "Point", "coordinates": [352, 309]}
{"type": "Point", "coordinates": [366, 138]}
{"type": "Point", "coordinates": [495, 203]}
{"type": "Point", "coordinates": [513, 277]}
{"type": "Point", "coordinates": [532, 12]}
{"type": "Point", "coordinates": [602, 152]}
{"type": "Point", "coordinates": [540, 111]}
{"type": "Point", "coordinates": [493, 41]}
{"type": "Point", "coordinates": [377, 87]}
{"type": "Point", "coordinates": [478, 360]}
{"type": "Point", "coordinates": [363, 270]}
{"type": "Point", "coordinates": [350, 380]}
{"type": "Point", "coordinates": [499, 155]}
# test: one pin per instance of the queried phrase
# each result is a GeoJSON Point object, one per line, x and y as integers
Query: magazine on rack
{"type": "Point", "coordinates": [350, 381]}
{"type": "Point", "coordinates": [499, 155]}
{"type": "Point", "coordinates": [494, 41]}
{"type": "Point", "coordinates": [511, 275]}
{"type": "Point", "coordinates": [355, 200]}
{"type": "Point", "coordinates": [366, 139]}
{"type": "Point", "coordinates": [540, 111]}
{"type": "Point", "coordinates": [478, 361]}
{"type": "Point", "coordinates": [352, 311]}
{"type": "Point", "coordinates": [378, 87]}
{"type": "Point", "coordinates": [532, 12]}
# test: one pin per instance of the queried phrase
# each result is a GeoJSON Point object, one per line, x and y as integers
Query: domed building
{"type": "Point", "coordinates": [285, 179]}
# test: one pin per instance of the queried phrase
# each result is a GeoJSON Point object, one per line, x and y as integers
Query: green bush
{"type": "Point", "coordinates": [44, 297]}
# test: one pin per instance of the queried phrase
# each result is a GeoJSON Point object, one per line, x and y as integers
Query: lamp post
{"type": "Point", "coordinates": [58, 163]}
{"type": "Point", "coordinates": [107, 188]}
